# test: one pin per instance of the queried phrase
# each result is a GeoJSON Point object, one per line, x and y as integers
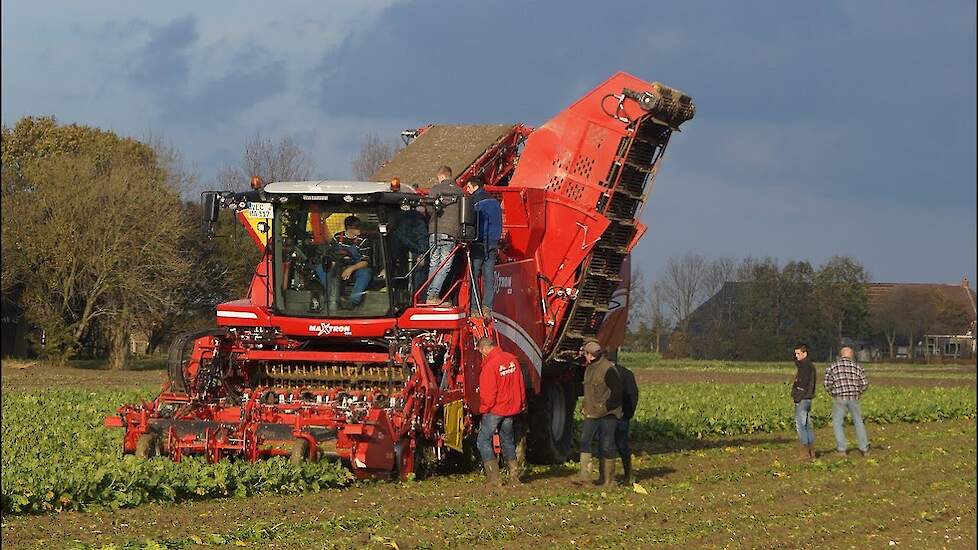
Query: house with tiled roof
{"type": "Point", "coordinates": [950, 332]}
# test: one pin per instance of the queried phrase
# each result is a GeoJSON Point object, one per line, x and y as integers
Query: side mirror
{"type": "Point", "coordinates": [212, 207]}
{"type": "Point", "coordinates": [467, 218]}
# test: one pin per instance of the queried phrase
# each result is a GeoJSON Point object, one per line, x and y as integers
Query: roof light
{"type": "Point", "coordinates": [395, 184]}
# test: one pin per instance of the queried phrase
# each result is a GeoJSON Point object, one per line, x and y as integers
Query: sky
{"type": "Point", "coordinates": [822, 128]}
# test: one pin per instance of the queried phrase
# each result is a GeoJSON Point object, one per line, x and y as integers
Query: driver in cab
{"type": "Point", "coordinates": [351, 253]}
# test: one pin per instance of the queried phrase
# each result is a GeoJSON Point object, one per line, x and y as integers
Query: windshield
{"type": "Point", "coordinates": [345, 260]}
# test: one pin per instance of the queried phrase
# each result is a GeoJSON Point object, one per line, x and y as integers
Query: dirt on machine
{"type": "Point", "coordinates": [388, 383]}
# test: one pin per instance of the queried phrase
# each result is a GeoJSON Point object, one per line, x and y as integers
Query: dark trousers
{"type": "Point", "coordinates": [604, 428]}
{"type": "Point", "coordinates": [621, 438]}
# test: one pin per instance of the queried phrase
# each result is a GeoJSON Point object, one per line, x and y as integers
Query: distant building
{"type": "Point", "coordinates": [954, 338]}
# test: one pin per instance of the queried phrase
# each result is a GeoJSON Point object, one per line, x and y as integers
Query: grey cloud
{"type": "Point", "coordinates": [164, 70]}
{"type": "Point", "coordinates": [164, 64]}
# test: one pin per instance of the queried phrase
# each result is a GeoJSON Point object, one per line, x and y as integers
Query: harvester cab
{"type": "Point", "coordinates": [314, 232]}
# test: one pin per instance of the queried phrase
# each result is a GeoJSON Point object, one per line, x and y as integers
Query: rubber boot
{"type": "Point", "coordinates": [626, 466]}
{"type": "Point", "coordinates": [609, 472]}
{"type": "Point", "coordinates": [514, 472]}
{"type": "Point", "coordinates": [584, 474]}
{"type": "Point", "coordinates": [492, 472]}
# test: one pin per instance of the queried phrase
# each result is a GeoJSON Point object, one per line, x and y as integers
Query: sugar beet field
{"type": "Point", "coordinates": [716, 467]}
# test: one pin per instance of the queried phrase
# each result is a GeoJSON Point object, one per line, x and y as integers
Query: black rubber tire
{"type": "Point", "coordinates": [551, 436]}
{"type": "Point", "coordinates": [179, 354]}
{"type": "Point", "coordinates": [299, 452]}
{"type": "Point", "coordinates": [148, 446]}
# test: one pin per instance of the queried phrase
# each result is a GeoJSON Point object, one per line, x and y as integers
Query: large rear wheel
{"type": "Point", "coordinates": [551, 415]}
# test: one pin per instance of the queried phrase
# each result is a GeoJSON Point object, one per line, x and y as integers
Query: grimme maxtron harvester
{"type": "Point", "coordinates": [390, 385]}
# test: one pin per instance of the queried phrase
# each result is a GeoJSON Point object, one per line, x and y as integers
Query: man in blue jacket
{"type": "Point", "coordinates": [489, 220]}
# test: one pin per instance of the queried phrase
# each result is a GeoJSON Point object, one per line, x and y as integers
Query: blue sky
{"type": "Point", "coordinates": [822, 127]}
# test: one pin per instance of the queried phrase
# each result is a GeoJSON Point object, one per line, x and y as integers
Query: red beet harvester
{"type": "Point", "coordinates": [390, 387]}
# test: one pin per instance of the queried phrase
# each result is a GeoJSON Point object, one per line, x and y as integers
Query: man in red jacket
{"type": "Point", "coordinates": [502, 396]}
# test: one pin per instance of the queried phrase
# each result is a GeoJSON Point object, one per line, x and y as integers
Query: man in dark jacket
{"type": "Point", "coordinates": [502, 396]}
{"type": "Point", "coordinates": [629, 401]}
{"type": "Point", "coordinates": [489, 219]}
{"type": "Point", "coordinates": [802, 392]}
{"type": "Point", "coordinates": [443, 228]}
{"type": "Point", "coordinates": [602, 407]}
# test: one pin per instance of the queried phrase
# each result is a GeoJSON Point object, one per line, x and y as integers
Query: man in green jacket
{"type": "Point", "coordinates": [602, 407]}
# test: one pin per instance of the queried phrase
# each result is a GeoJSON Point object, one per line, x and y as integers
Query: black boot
{"type": "Point", "coordinates": [626, 466]}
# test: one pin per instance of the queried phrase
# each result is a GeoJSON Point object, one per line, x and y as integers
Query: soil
{"type": "Point", "coordinates": [917, 489]}
{"type": "Point", "coordinates": [29, 375]}
{"type": "Point", "coordinates": [32, 375]}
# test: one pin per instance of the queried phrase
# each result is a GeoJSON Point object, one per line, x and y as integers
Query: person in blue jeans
{"type": "Point", "coordinates": [846, 381]}
{"type": "Point", "coordinates": [502, 397]}
{"type": "Point", "coordinates": [352, 254]}
{"type": "Point", "coordinates": [802, 393]}
{"type": "Point", "coordinates": [443, 227]}
{"type": "Point", "coordinates": [489, 220]}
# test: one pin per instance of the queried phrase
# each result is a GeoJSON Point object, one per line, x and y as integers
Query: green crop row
{"type": "Point", "coordinates": [694, 411]}
{"type": "Point", "coordinates": [58, 456]}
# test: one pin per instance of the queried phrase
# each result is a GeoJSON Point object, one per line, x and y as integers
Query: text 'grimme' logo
{"type": "Point", "coordinates": [325, 329]}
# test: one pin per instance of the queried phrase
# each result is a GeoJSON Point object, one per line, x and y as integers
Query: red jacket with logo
{"type": "Point", "coordinates": [501, 388]}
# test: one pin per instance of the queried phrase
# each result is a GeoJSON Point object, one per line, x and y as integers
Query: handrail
{"type": "Point", "coordinates": [431, 275]}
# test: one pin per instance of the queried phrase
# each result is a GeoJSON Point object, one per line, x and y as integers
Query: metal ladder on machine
{"type": "Point", "coordinates": [631, 174]}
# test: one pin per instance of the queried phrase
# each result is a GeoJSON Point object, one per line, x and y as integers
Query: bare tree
{"type": "Point", "coordinates": [660, 321]}
{"type": "Point", "coordinates": [272, 161]}
{"type": "Point", "coordinates": [638, 300]}
{"type": "Point", "coordinates": [684, 285]}
{"type": "Point", "coordinates": [374, 153]}
{"type": "Point", "coordinates": [283, 160]}
{"type": "Point", "coordinates": [719, 272]}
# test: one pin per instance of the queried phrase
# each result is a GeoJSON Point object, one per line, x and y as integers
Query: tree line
{"type": "Point", "coordinates": [758, 309]}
